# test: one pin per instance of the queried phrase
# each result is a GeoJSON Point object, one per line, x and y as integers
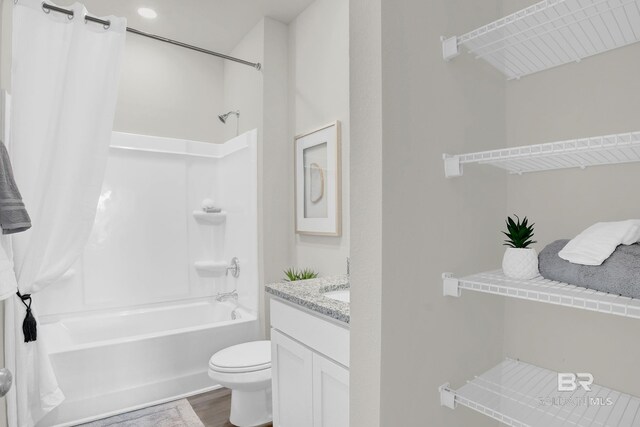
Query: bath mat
{"type": "Point", "coordinates": [173, 414]}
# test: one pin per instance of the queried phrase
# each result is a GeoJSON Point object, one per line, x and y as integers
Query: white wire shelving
{"type": "Point", "coordinates": [550, 33]}
{"type": "Point", "coordinates": [542, 290]}
{"type": "Point", "coordinates": [522, 395]}
{"type": "Point", "coordinates": [575, 153]}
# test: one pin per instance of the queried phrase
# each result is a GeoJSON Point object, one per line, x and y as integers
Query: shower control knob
{"type": "Point", "coordinates": [234, 268]}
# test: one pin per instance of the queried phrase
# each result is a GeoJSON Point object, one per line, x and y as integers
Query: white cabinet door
{"type": "Point", "coordinates": [291, 365]}
{"type": "Point", "coordinates": [330, 393]}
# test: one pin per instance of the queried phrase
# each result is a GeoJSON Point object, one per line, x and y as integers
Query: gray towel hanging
{"type": "Point", "coordinates": [13, 214]}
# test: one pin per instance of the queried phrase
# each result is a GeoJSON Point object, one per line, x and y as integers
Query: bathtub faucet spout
{"type": "Point", "coordinates": [225, 296]}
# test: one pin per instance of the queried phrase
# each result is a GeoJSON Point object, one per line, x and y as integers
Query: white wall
{"type": "Point", "coordinates": [243, 85]}
{"type": "Point", "coordinates": [277, 165]}
{"type": "Point", "coordinates": [319, 94]}
{"type": "Point", "coordinates": [366, 210]}
{"type": "Point", "coordinates": [277, 214]}
{"type": "Point", "coordinates": [261, 97]}
{"type": "Point", "coordinates": [243, 91]}
{"type": "Point", "coordinates": [170, 91]}
{"type": "Point", "coordinates": [597, 96]}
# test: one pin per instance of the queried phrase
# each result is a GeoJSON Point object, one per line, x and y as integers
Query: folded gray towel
{"type": "Point", "coordinates": [13, 215]}
{"type": "Point", "coordinates": [619, 274]}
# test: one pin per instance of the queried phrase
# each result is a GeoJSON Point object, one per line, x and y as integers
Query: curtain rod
{"type": "Point", "coordinates": [106, 24]}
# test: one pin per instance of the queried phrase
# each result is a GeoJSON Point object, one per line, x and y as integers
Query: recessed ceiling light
{"type": "Point", "coordinates": [148, 13]}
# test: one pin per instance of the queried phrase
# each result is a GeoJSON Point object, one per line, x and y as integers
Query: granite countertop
{"type": "Point", "coordinates": [310, 294]}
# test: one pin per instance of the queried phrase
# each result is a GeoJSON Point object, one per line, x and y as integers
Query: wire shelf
{"type": "Point", "coordinates": [545, 291]}
{"type": "Point", "coordinates": [551, 33]}
{"type": "Point", "coordinates": [575, 153]}
{"type": "Point", "coordinates": [523, 395]}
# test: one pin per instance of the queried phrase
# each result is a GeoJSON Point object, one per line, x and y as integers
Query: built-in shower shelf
{"type": "Point", "coordinates": [542, 290]}
{"type": "Point", "coordinates": [210, 217]}
{"type": "Point", "coordinates": [210, 267]}
{"type": "Point", "coordinates": [523, 395]}
{"type": "Point", "coordinates": [550, 33]}
{"type": "Point", "coordinates": [575, 153]}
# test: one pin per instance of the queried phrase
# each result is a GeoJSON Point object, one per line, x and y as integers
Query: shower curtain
{"type": "Point", "coordinates": [65, 73]}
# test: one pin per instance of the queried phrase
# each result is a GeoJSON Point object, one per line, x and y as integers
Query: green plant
{"type": "Point", "coordinates": [293, 274]}
{"type": "Point", "coordinates": [518, 233]}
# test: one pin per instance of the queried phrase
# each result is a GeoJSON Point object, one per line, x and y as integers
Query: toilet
{"type": "Point", "coordinates": [246, 370]}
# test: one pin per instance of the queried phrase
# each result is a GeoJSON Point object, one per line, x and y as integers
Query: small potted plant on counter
{"type": "Point", "coordinates": [520, 261]}
{"type": "Point", "coordinates": [293, 274]}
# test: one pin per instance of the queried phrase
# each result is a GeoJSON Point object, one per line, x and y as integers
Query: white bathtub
{"type": "Point", "coordinates": [112, 362]}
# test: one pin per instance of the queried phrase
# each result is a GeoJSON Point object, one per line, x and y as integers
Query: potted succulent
{"type": "Point", "coordinates": [293, 274]}
{"type": "Point", "coordinates": [520, 261]}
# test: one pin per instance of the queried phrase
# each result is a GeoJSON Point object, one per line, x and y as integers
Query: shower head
{"type": "Point", "coordinates": [223, 117]}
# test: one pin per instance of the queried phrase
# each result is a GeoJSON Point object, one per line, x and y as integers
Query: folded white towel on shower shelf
{"type": "Point", "coordinates": [595, 244]}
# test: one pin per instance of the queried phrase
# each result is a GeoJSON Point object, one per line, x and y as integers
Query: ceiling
{"type": "Point", "coordinates": [212, 24]}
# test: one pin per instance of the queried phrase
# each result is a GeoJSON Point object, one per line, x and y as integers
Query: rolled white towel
{"type": "Point", "coordinates": [595, 244]}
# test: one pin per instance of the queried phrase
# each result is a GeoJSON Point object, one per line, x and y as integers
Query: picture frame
{"type": "Point", "coordinates": [318, 181]}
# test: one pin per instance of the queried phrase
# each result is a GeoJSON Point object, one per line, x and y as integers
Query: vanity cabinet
{"type": "Point", "coordinates": [292, 381]}
{"type": "Point", "coordinates": [330, 393]}
{"type": "Point", "coordinates": [310, 358]}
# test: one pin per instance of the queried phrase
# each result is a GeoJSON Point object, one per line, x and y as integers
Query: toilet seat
{"type": "Point", "coordinates": [242, 358]}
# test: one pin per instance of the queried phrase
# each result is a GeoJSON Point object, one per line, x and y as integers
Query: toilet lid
{"type": "Point", "coordinates": [246, 357]}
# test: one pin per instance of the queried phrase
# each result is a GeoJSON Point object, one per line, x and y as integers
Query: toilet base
{"type": "Point", "coordinates": [251, 408]}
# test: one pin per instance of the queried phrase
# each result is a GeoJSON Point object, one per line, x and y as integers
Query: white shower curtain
{"type": "Point", "coordinates": [64, 84]}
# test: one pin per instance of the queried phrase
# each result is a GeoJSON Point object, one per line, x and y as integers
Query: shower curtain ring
{"type": "Point", "coordinates": [107, 25]}
{"type": "Point", "coordinates": [45, 9]}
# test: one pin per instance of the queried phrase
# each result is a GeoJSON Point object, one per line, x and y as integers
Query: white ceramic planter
{"type": "Point", "coordinates": [520, 263]}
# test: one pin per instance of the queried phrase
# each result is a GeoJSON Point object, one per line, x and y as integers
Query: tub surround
{"type": "Point", "coordinates": [125, 307]}
{"type": "Point", "coordinates": [310, 294]}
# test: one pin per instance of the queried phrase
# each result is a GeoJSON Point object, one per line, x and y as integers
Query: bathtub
{"type": "Point", "coordinates": [117, 361]}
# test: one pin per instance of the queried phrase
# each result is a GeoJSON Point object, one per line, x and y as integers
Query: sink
{"type": "Point", "coordinates": [343, 295]}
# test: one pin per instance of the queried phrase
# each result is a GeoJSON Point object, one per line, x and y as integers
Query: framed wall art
{"type": "Point", "coordinates": [318, 181]}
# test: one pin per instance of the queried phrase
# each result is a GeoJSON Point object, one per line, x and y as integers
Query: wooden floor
{"type": "Point", "coordinates": [213, 407]}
